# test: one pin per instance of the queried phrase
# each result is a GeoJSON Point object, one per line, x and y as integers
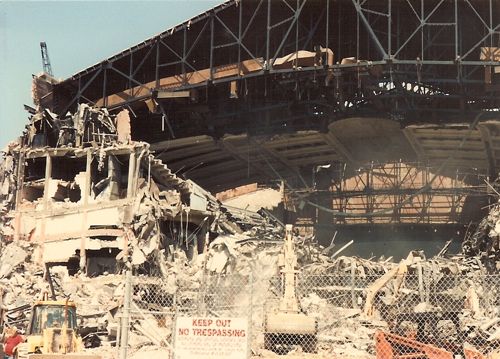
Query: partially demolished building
{"type": "Point", "coordinates": [84, 194]}
{"type": "Point", "coordinates": [122, 166]}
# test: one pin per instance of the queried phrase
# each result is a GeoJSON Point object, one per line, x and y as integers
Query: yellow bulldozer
{"type": "Point", "coordinates": [52, 333]}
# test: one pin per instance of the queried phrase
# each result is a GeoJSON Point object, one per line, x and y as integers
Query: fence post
{"type": "Point", "coordinates": [353, 286]}
{"type": "Point", "coordinates": [175, 314]}
{"type": "Point", "coordinates": [421, 289]}
{"type": "Point", "coordinates": [250, 319]}
{"type": "Point", "coordinates": [125, 320]}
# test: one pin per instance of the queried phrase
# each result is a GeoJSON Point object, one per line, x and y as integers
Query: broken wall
{"type": "Point", "coordinates": [87, 193]}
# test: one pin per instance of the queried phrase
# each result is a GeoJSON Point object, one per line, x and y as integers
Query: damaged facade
{"type": "Point", "coordinates": [85, 195]}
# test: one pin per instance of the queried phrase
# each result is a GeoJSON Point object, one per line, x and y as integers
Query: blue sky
{"type": "Point", "coordinates": [78, 35]}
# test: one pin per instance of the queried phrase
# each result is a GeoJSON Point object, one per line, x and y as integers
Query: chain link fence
{"type": "Point", "coordinates": [215, 321]}
{"type": "Point", "coordinates": [384, 316]}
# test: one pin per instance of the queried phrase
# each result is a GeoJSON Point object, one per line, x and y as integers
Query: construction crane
{"type": "Point", "coordinates": [45, 58]}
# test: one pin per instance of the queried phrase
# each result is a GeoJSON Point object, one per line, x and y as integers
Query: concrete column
{"type": "Point", "coordinates": [131, 171]}
{"type": "Point", "coordinates": [48, 175]}
{"type": "Point", "coordinates": [88, 177]}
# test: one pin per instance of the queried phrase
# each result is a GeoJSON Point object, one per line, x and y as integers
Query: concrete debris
{"type": "Point", "coordinates": [42, 90]}
{"type": "Point", "coordinates": [114, 200]}
{"type": "Point", "coordinates": [8, 180]}
{"type": "Point", "coordinates": [222, 255]}
{"type": "Point", "coordinates": [347, 331]}
{"type": "Point", "coordinates": [123, 126]}
{"type": "Point", "coordinates": [484, 243]}
{"type": "Point", "coordinates": [12, 256]}
{"type": "Point", "coordinates": [81, 200]}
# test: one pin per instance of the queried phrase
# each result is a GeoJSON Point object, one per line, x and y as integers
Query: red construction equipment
{"type": "Point", "coordinates": [392, 346]}
{"type": "Point", "coordinates": [472, 353]}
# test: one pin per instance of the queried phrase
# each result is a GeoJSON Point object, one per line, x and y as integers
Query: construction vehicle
{"type": "Point", "coordinates": [52, 332]}
{"type": "Point", "coordinates": [471, 352]}
{"type": "Point", "coordinates": [392, 346]}
{"type": "Point", "coordinates": [287, 325]}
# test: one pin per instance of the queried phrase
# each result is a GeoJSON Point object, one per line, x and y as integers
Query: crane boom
{"type": "Point", "coordinates": [45, 59]}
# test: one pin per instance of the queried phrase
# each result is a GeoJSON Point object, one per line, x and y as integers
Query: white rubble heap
{"type": "Point", "coordinates": [7, 189]}
{"type": "Point", "coordinates": [341, 331]}
{"type": "Point", "coordinates": [484, 243]}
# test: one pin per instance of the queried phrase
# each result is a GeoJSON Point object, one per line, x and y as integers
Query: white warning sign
{"type": "Point", "coordinates": [211, 338]}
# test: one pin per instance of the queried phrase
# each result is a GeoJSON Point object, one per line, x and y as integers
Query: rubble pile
{"type": "Point", "coordinates": [342, 331]}
{"type": "Point", "coordinates": [97, 299]}
{"type": "Point", "coordinates": [345, 327]}
{"type": "Point", "coordinates": [7, 190]}
{"type": "Point", "coordinates": [484, 243]}
{"type": "Point", "coordinates": [80, 202]}
{"type": "Point", "coordinates": [345, 331]}
{"type": "Point", "coordinates": [22, 281]}
{"type": "Point", "coordinates": [347, 266]}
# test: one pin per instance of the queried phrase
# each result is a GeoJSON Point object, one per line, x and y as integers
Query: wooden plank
{"type": "Point", "coordinates": [181, 142]}
{"type": "Point", "coordinates": [216, 155]}
{"type": "Point", "coordinates": [446, 133]}
{"type": "Point", "coordinates": [459, 155]}
{"type": "Point", "coordinates": [215, 169]}
{"type": "Point", "coordinates": [235, 179]}
{"type": "Point", "coordinates": [414, 143]}
{"type": "Point", "coordinates": [315, 154]}
{"type": "Point", "coordinates": [339, 147]}
{"type": "Point", "coordinates": [187, 152]}
{"type": "Point", "coordinates": [449, 143]}
{"type": "Point", "coordinates": [305, 151]}
{"type": "Point", "coordinates": [226, 145]}
{"type": "Point", "coordinates": [486, 137]}
{"type": "Point", "coordinates": [295, 142]}
{"type": "Point", "coordinates": [315, 160]}
{"type": "Point", "coordinates": [460, 163]}
{"type": "Point", "coordinates": [495, 141]}
{"type": "Point", "coordinates": [282, 160]}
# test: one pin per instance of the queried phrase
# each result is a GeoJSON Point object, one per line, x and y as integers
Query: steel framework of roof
{"type": "Point", "coordinates": [263, 67]}
{"type": "Point", "coordinates": [408, 59]}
